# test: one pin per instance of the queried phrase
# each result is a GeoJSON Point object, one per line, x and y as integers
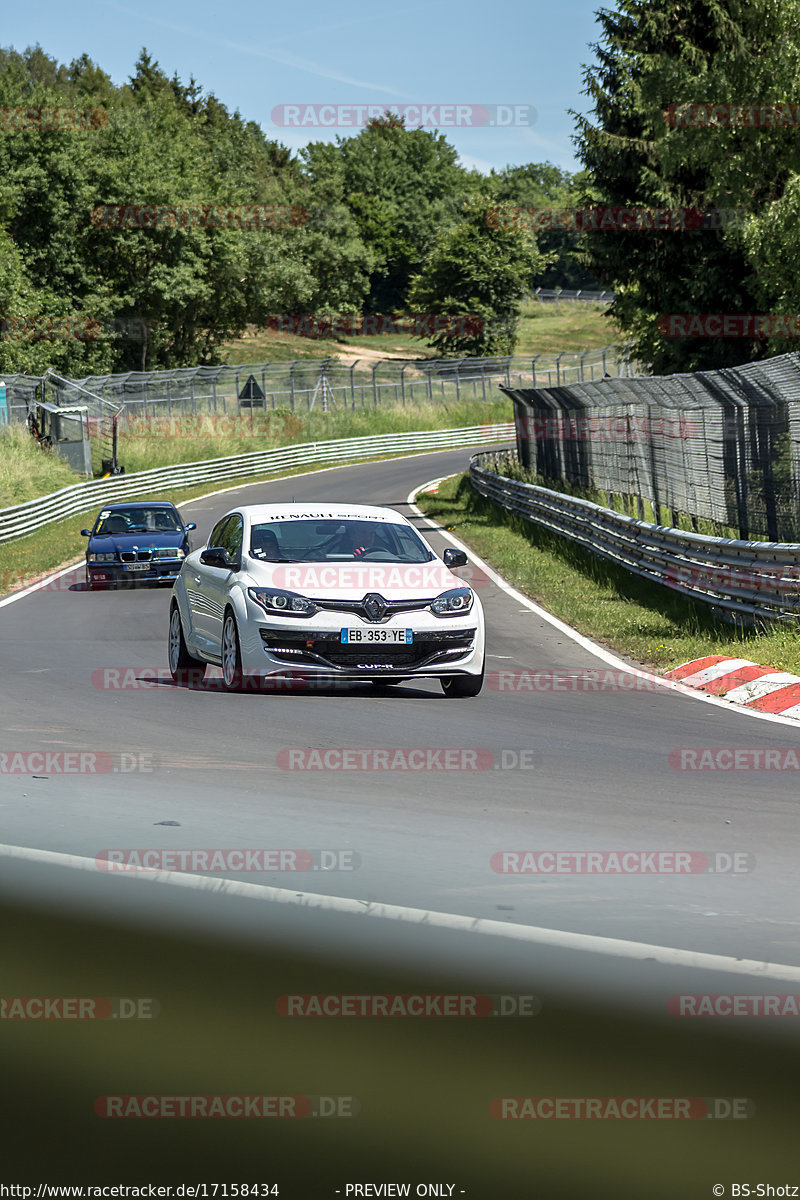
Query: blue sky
{"type": "Point", "coordinates": [256, 57]}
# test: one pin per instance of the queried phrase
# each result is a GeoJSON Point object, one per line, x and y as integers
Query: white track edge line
{"type": "Point", "coordinates": [558, 939]}
{"type": "Point", "coordinates": [607, 656]}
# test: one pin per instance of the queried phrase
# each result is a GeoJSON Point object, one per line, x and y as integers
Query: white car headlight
{"type": "Point", "coordinates": [452, 603]}
{"type": "Point", "coordinates": [169, 552]}
{"type": "Point", "coordinates": [280, 603]}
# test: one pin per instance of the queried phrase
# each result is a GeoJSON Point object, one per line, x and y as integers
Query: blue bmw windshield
{"type": "Point", "coordinates": [137, 520]}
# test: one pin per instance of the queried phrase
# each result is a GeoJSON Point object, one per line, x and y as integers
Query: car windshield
{"type": "Point", "coordinates": [337, 540]}
{"type": "Point", "coordinates": [137, 520]}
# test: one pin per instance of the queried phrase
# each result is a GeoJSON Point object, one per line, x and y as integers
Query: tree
{"type": "Point", "coordinates": [650, 56]}
{"type": "Point", "coordinates": [401, 185]}
{"type": "Point", "coordinates": [475, 276]}
{"type": "Point", "coordinates": [545, 186]}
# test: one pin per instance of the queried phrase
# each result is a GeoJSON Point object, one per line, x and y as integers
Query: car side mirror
{"type": "Point", "coordinates": [216, 556]}
{"type": "Point", "coordinates": [86, 533]}
{"type": "Point", "coordinates": [191, 525]}
{"type": "Point", "coordinates": [454, 558]}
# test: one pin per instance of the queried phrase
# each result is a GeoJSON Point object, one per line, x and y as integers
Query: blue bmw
{"type": "Point", "coordinates": [137, 542]}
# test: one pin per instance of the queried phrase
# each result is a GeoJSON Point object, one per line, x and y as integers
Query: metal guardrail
{"type": "Point", "coordinates": [556, 295]}
{"type": "Point", "coordinates": [22, 519]}
{"type": "Point", "coordinates": [741, 580]}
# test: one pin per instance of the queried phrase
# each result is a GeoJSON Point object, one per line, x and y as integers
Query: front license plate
{"type": "Point", "coordinates": [386, 636]}
{"type": "Point", "coordinates": [137, 566]}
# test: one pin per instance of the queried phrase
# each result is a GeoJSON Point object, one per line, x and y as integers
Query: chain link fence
{"type": "Point", "coordinates": [721, 446]}
{"type": "Point", "coordinates": [306, 385]}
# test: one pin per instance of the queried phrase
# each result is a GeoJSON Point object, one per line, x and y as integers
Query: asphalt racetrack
{"type": "Point", "coordinates": [573, 770]}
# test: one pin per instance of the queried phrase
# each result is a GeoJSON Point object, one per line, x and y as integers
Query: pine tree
{"type": "Point", "coordinates": [652, 55]}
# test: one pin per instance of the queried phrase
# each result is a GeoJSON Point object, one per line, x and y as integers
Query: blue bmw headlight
{"type": "Point", "coordinates": [103, 557]}
{"type": "Point", "coordinates": [277, 602]}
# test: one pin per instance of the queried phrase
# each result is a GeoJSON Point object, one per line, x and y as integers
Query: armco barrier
{"type": "Point", "coordinates": [743, 580]}
{"type": "Point", "coordinates": [25, 518]}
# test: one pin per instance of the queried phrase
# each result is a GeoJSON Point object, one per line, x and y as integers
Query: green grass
{"type": "Point", "coordinates": [27, 471]}
{"type": "Point", "coordinates": [543, 329]}
{"type": "Point", "coordinates": [547, 329]}
{"type": "Point", "coordinates": [642, 621]}
{"type": "Point", "coordinates": [194, 439]}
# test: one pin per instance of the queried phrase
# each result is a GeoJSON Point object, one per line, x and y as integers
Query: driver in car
{"type": "Point", "coordinates": [363, 539]}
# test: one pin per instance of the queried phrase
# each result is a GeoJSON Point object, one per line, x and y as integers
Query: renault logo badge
{"type": "Point", "coordinates": [374, 606]}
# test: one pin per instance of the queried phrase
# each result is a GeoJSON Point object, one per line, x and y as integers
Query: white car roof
{"type": "Point", "coordinates": [256, 514]}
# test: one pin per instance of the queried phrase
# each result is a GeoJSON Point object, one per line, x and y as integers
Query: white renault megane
{"type": "Point", "coordinates": [290, 592]}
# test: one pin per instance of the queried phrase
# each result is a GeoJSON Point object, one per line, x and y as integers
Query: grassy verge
{"type": "Point", "coordinates": [26, 471]}
{"type": "Point", "coordinates": [192, 439]}
{"type": "Point", "coordinates": [25, 560]}
{"type": "Point", "coordinates": [642, 621]}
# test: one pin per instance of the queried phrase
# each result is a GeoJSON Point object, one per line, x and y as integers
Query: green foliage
{"type": "Point", "coordinates": [401, 186]}
{"type": "Point", "coordinates": [480, 271]}
{"type": "Point", "coordinates": [163, 294]}
{"type": "Point", "coordinates": [542, 185]}
{"type": "Point", "coordinates": [651, 56]}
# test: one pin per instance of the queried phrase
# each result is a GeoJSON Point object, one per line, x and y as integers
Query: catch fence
{"type": "Point", "coordinates": [305, 385]}
{"type": "Point", "coordinates": [719, 446]}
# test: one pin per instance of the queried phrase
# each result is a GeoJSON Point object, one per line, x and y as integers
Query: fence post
{"type": "Point", "coordinates": [292, 366]}
{"type": "Point", "coordinates": [352, 384]}
{"type": "Point", "coordinates": [375, 366]}
{"type": "Point", "coordinates": [558, 368]}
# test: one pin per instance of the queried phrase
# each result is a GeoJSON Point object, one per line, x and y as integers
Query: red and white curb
{"type": "Point", "coordinates": [742, 682]}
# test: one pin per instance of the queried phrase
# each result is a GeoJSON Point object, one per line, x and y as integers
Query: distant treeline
{"type": "Point", "coordinates": [143, 226]}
